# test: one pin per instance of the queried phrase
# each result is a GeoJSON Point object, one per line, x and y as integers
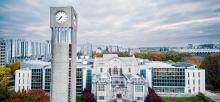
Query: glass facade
{"type": "Point", "coordinates": [169, 79]}
{"type": "Point", "coordinates": [143, 73]}
{"type": "Point", "coordinates": [47, 79]}
{"type": "Point", "coordinates": [89, 79]}
{"type": "Point", "coordinates": [37, 78]}
{"type": "Point", "coordinates": [79, 81]}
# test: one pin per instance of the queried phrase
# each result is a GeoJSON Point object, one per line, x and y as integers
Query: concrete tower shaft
{"type": "Point", "coordinates": [63, 22]}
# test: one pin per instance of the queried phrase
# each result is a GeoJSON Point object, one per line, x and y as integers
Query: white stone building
{"type": "Point", "coordinates": [33, 74]}
{"type": "Point", "coordinates": [22, 79]}
{"type": "Point", "coordinates": [115, 78]}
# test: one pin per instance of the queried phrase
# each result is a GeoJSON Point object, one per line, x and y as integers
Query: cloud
{"type": "Point", "coordinates": [132, 23]}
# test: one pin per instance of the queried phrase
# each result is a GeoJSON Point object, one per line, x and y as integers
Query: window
{"type": "Point", "coordinates": [189, 91]}
{"type": "Point", "coordinates": [139, 98]}
{"type": "Point", "coordinates": [188, 82]}
{"type": "Point", "coordinates": [193, 74]}
{"type": "Point", "coordinates": [188, 74]}
{"type": "Point", "coordinates": [101, 97]}
{"type": "Point", "coordinates": [109, 70]}
{"type": "Point", "coordinates": [198, 74]}
{"type": "Point", "coordinates": [101, 88]}
{"type": "Point", "coordinates": [139, 88]}
{"type": "Point", "coordinates": [100, 69]}
{"type": "Point", "coordinates": [193, 82]}
{"type": "Point", "coordinates": [115, 71]}
{"type": "Point", "coordinates": [129, 69]}
{"type": "Point", "coordinates": [199, 82]}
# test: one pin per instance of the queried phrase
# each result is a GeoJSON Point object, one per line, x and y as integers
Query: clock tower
{"type": "Point", "coordinates": [63, 23]}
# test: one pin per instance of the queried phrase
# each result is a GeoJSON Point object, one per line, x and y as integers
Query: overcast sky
{"type": "Point", "coordinates": [131, 23]}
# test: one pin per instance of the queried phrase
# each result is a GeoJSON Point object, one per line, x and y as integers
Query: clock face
{"type": "Point", "coordinates": [61, 17]}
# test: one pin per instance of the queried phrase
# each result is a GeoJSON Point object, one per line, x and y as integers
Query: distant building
{"type": "Point", "coordinates": [86, 49]}
{"type": "Point", "coordinates": [206, 46]}
{"type": "Point", "coordinates": [112, 48]}
{"type": "Point", "coordinates": [178, 80]}
{"type": "Point", "coordinates": [198, 52]}
{"type": "Point", "coordinates": [115, 78]}
{"type": "Point", "coordinates": [189, 46]}
{"type": "Point", "coordinates": [25, 50]}
{"type": "Point", "coordinates": [98, 50]}
{"type": "Point", "coordinates": [2, 52]}
{"type": "Point", "coordinates": [154, 49]}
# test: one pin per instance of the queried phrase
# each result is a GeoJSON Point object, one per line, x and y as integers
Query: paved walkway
{"type": "Point", "coordinates": [213, 96]}
{"type": "Point", "coordinates": [119, 100]}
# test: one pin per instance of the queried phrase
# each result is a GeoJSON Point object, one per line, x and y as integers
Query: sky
{"type": "Point", "coordinates": [127, 23]}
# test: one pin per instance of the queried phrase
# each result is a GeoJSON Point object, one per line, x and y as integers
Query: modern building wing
{"type": "Point", "coordinates": [36, 74]}
{"type": "Point", "coordinates": [33, 74]}
{"type": "Point", "coordinates": [179, 79]}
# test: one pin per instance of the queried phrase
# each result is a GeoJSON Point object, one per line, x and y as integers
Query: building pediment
{"type": "Point", "coordinates": [115, 59]}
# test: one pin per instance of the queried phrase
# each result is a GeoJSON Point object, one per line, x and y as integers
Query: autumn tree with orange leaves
{"type": "Point", "coordinates": [155, 56]}
{"type": "Point", "coordinates": [34, 95]}
{"type": "Point", "coordinates": [196, 60]}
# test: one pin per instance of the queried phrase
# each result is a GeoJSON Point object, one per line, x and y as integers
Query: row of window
{"type": "Point", "coordinates": [115, 70]}
{"type": "Point", "coordinates": [194, 82]}
{"type": "Point", "coordinates": [172, 90]}
{"type": "Point", "coordinates": [194, 74]}
{"type": "Point", "coordinates": [194, 89]}
{"type": "Point", "coordinates": [101, 87]}
{"type": "Point", "coordinates": [169, 84]}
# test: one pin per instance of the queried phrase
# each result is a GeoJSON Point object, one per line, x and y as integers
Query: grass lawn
{"type": "Point", "coordinates": [192, 99]}
{"type": "Point", "coordinates": [77, 98]}
{"type": "Point", "coordinates": [179, 100]}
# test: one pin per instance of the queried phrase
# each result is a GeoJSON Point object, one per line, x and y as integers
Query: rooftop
{"type": "Point", "coordinates": [37, 63]}
{"type": "Point", "coordinates": [159, 64]}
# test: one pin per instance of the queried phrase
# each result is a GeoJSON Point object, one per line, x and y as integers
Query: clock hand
{"type": "Point", "coordinates": [60, 18]}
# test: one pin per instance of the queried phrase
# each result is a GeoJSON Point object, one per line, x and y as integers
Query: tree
{"type": "Point", "coordinates": [87, 96]}
{"type": "Point", "coordinates": [194, 60]}
{"type": "Point", "coordinates": [34, 95]}
{"type": "Point", "coordinates": [155, 56]}
{"type": "Point", "coordinates": [203, 98]}
{"type": "Point", "coordinates": [4, 92]}
{"type": "Point", "coordinates": [14, 66]}
{"type": "Point", "coordinates": [211, 64]}
{"type": "Point", "coordinates": [174, 56]}
{"type": "Point", "coordinates": [170, 62]}
{"type": "Point", "coordinates": [152, 96]}
{"type": "Point", "coordinates": [143, 55]}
